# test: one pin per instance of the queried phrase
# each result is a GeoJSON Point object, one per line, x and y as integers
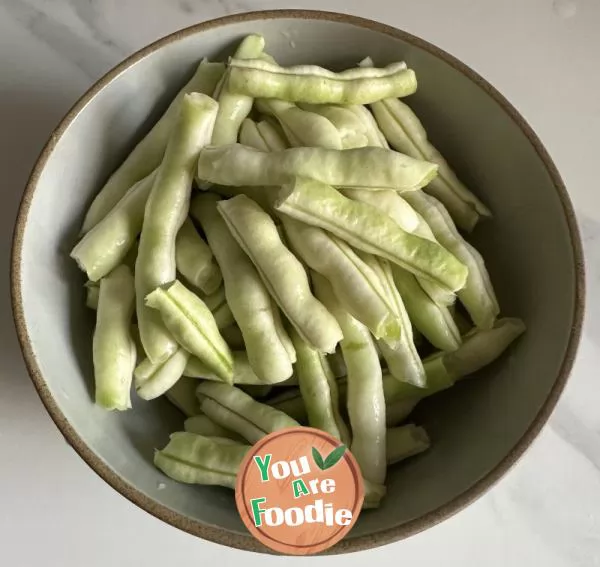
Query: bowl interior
{"type": "Point", "coordinates": [527, 245]}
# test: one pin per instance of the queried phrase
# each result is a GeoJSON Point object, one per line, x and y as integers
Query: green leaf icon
{"type": "Point", "coordinates": [334, 457]}
{"type": "Point", "coordinates": [318, 459]}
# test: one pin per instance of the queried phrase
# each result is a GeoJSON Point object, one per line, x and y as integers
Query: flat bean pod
{"type": "Point", "coordinates": [374, 135]}
{"type": "Point", "coordinates": [282, 273]}
{"type": "Point", "coordinates": [154, 379]}
{"type": "Point", "coordinates": [194, 459]}
{"type": "Point", "coordinates": [367, 228]}
{"type": "Point", "coordinates": [365, 399]}
{"type": "Point", "coordinates": [106, 245]}
{"type": "Point", "coordinates": [194, 259]}
{"type": "Point", "coordinates": [242, 371]}
{"type": "Point", "coordinates": [403, 360]}
{"type": "Point", "coordinates": [203, 425]}
{"type": "Point", "coordinates": [319, 390]}
{"type": "Point", "coordinates": [354, 282]}
{"type": "Point", "coordinates": [166, 209]}
{"type": "Point", "coordinates": [353, 131]}
{"type": "Point", "coordinates": [266, 342]}
{"type": "Point", "coordinates": [233, 409]}
{"type": "Point", "coordinates": [262, 136]}
{"type": "Point", "coordinates": [193, 326]}
{"type": "Point", "coordinates": [182, 395]}
{"type": "Point", "coordinates": [406, 134]}
{"type": "Point", "coordinates": [301, 127]}
{"type": "Point", "coordinates": [369, 167]}
{"type": "Point", "coordinates": [149, 152]}
{"type": "Point", "coordinates": [405, 441]}
{"type": "Point", "coordinates": [114, 350]}
{"type": "Point", "coordinates": [309, 83]}
{"type": "Point", "coordinates": [478, 294]}
{"type": "Point", "coordinates": [234, 108]}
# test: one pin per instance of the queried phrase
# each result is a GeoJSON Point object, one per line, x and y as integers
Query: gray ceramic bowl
{"type": "Point", "coordinates": [479, 428]}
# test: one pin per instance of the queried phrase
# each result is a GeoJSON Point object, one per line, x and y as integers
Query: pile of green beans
{"type": "Point", "coordinates": [282, 249]}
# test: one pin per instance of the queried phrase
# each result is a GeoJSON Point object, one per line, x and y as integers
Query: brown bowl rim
{"type": "Point", "coordinates": [220, 535]}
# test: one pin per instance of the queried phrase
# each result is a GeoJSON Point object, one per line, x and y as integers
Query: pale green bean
{"type": "Point", "coordinates": [242, 371]}
{"type": "Point", "coordinates": [405, 441]}
{"type": "Point", "coordinates": [203, 425]}
{"type": "Point", "coordinates": [195, 261]}
{"type": "Point", "coordinates": [374, 134]}
{"type": "Point", "coordinates": [282, 273]}
{"type": "Point", "coordinates": [365, 399]}
{"type": "Point", "coordinates": [352, 130]}
{"type": "Point", "coordinates": [153, 380]}
{"type": "Point", "coordinates": [478, 294]}
{"type": "Point", "coordinates": [367, 228]}
{"type": "Point", "coordinates": [403, 360]}
{"type": "Point", "coordinates": [359, 167]}
{"type": "Point", "coordinates": [247, 296]}
{"type": "Point", "coordinates": [149, 152]}
{"type": "Point", "coordinates": [374, 493]}
{"type": "Point", "coordinates": [406, 134]}
{"type": "Point", "coordinates": [233, 409]}
{"type": "Point", "coordinates": [92, 294]}
{"type": "Point", "coordinates": [354, 282]}
{"type": "Point", "coordinates": [302, 128]}
{"type": "Point", "coordinates": [193, 326]}
{"type": "Point", "coordinates": [182, 395]}
{"type": "Point", "coordinates": [194, 459]}
{"type": "Point", "coordinates": [114, 351]}
{"type": "Point", "coordinates": [234, 108]}
{"type": "Point", "coordinates": [319, 390]}
{"type": "Point", "coordinates": [262, 136]}
{"type": "Point", "coordinates": [106, 245]}
{"type": "Point", "coordinates": [312, 84]}
{"type": "Point", "coordinates": [165, 212]}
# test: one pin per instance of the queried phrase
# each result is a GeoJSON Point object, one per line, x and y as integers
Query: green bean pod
{"type": "Point", "coordinates": [193, 326]}
{"type": "Point", "coordinates": [234, 108]}
{"type": "Point", "coordinates": [154, 379]}
{"type": "Point", "coordinates": [405, 441]}
{"type": "Point", "coordinates": [194, 260]}
{"type": "Point", "coordinates": [367, 228]}
{"type": "Point", "coordinates": [106, 245]}
{"type": "Point", "coordinates": [302, 128]}
{"type": "Point", "coordinates": [182, 395]}
{"type": "Point", "coordinates": [375, 168]}
{"type": "Point", "coordinates": [319, 390]}
{"type": "Point", "coordinates": [406, 134]}
{"type": "Point", "coordinates": [262, 136]}
{"type": "Point", "coordinates": [365, 398]}
{"type": "Point", "coordinates": [203, 425]}
{"type": "Point", "coordinates": [149, 152]}
{"type": "Point", "coordinates": [408, 219]}
{"type": "Point", "coordinates": [291, 403]}
{"type": "Point", "coordinates": [233, 409]}
{"type": "Point", "coordinates": [269, 353]}
{"type": "Point", "coordinates": [374, 493]}
{"type": "Point", "coordinates": [403, 360]}
{"type": "Point", "coordinates": [355, 284]}
{"type": "Point", "coordinates": [114, 351]}
{"type": "Point", "coordinates": [242, 370]}
{"type": "Point", "coordinates": [281, 272]}
{"type": "Point", "coordinates": [92, 294]}
{"type": "Point", "coordinates": [374, 135]}
{"type": "Point", "coordinates": [352, 130]}
{"type": "Point", "coordinates": [166, 209]}
{"type": "Point", "coordinates": [194, 459]}
{"type": "Point", "coordinates": [478, 294]}
{"type": "Point", "coordinates": [432, 319]}
{"type": "Point", "coordinates": [308, 83]}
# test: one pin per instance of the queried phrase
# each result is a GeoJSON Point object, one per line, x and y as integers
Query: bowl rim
{"type": "Point", "coordinates": [218, 534]}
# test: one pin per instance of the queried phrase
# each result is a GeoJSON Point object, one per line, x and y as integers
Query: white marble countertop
{"type": "Point", "coordinates": [542, 54]}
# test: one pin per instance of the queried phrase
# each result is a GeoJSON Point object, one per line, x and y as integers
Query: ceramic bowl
{"type": "Point", "coordinates": [479, 428]}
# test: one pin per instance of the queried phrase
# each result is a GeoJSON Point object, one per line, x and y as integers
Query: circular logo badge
{"type": "Point", "coordinates": [299, 490]}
